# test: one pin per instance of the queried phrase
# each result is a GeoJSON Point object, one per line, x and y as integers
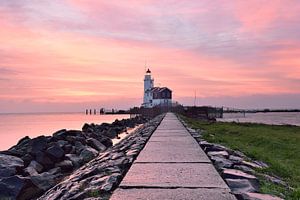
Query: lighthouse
{"type": "Point", "coordinates": [155, 96]}
{"type": "Point", "coordinates": [148, 85]}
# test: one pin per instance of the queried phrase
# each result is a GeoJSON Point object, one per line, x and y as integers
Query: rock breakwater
{"type": "Point", "coordinates": [33, 166]}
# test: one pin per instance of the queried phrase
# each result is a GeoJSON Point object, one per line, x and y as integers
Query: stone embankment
{"type": "Point", "coordinates": [33, 166]}
{"type": "Point", "coordinates": [236, 169]}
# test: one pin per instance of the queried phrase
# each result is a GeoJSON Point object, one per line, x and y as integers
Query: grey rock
{"type": "Point", "coordinates": [78, 147]}
{"type": "Point", "coordinates": [37, 166]}
{"type": "Point", "coordinates": [241, 185]}
{"type": "Point", "coordinates": [261, 164]}
{"type": "Point", "coordinates": [244, 168]}
{"type": "Point", "coordinates": [96, 144]}
{"type": "Point", "coordinates": [204, 144]}
{"type": "Point", "coordinates": [62, 143]}
{"type": "Point", "coordinates": [60, 135]}
{"type": "Point", "coordinates": [251, 164]}
{"type": "Point", "coordinates": [221, 162]}
{"type": "Point", "coordinates": [37, 144]}
{"type": "Point", "coordinates": [44, 160]}
{"type": "Point", "coordinates": [46, 180]}
{"type": "Point", "coordinates": [237, 174]}
{"type": "Point", "coordinates": [218, 153]}
{"type": "Point", "coordinates": [55, 152]}
{"type": "Point", "coordinates": [65, 165]}
{"type": "Point", "coordinates": [236, 159]}
{"type": "Point", "coordinates": [11, 187]}
{"type": "Point", "coordinates": [9, 165]}
{"type": "Point", "coordinates": [30, 171]}
{"type": "Point", "coordinates": [76, 160]}
{"type": "Point", "coordinates": [88, 154]}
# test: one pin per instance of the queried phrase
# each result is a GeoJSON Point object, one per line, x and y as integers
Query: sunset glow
{"type": "Point", "coordinates": [68, 55]}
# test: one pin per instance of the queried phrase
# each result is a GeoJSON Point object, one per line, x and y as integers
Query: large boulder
{"type": "Point", "coordinates": [37, 144]}
{"type": "Point", "coordinates": [44, 160]}
{"type": "Point", "coordinates": [221, 162]}
{"type": "Point", "coordinates": [37, 166]}
{"type": "Point", "coordinates": [96, 144]}
{"type": "Point", "coordinates": [13, 186]}
{"type": "Point", "coordinates": [46, 180]}
{"type": "Point", "coordinates": [55, 152]}
{"type": "Point", "coordinates": [237, 174]}
{"type": "Point", "coordinates": [241, 186]}
{"type": "Point", "coordinates": [88, 153]}
{"type": "Point", "coordinates": [10, 165]}
{"type": "Point", "coordinates": [77, 161]}
{"type": "Point", "coordinates": [65, 165]}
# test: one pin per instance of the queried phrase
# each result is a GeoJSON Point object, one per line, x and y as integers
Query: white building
{"type": "Point", "coordinates": [154, 96]}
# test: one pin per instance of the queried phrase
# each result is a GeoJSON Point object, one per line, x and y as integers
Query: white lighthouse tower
{"type": "Point", "coordinates": [148, 85]}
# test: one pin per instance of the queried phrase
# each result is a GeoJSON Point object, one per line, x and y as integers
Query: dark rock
{"type": "Point", "coordinates": [11, 187]}
{"type": "Point", "coordinates": [261, 164]}
{"type": "Point", "coordinates": [241, 185]}
{"type": "Point", "coordinates": [68, 148]}
{"type": "Point", "coordinates": [10, 165]}
{"type": "Point", "coordinates": [87, 128]}
{"type": "Point", "coordinates": [81, 139]}
{"type": "Point", "coordinates": [275, 180]}
{"type": "Point", "coordinates": [45, 180]}
{"type": "Point", "coordinates": [237, 174]}
{"type": "Point", "coordinates": [221, 162]}
{"type": "Point", "coordinates": [60, 135]}
{"type": "Point", "coordinates": [235, 159]}
{"type": "Point", "coordinates": [71, 139]}
{"type": "Point", "coordinates": [30, 171]}
{"type": "Point", "coordinates": [111, 133]}
{"type": "Point", "coordinates": [257, 196]}
{"type": "Point", "coordinates": [65, 165]}
{"type": "Point", "coordinates": [27, 158]}
{"type": "Point", "coordinates": [96, 144]}
{"type": "Point", "coordinates": [37, 144]}
{"type": "Point", "coordinates": [106, 141]}
{"type": "Point", "coordinates": [244, 168]}
{"type": "Point", "coordinates": [44, 160]}
{"type": "Point", "coordinates": [88, 154]}
{"type": "Point", "coordinates": [240, 154]}
{"type": "Point", "coordinates": [76, 160]}
{"type": "Point", "coordinates": [55, 152]}
{"type": "Point", "coordinates": [215, 147]}
{"type": "Point", "coordinates": [204, 144]}
{"type": "Point", "coordinates": [78, 147]}
{"type": "Point", "coordinates": [62, 143]}
{"type": "Point", "coordinates": [23, 141]}
{"type": "Point", "coordinates": [76, 133]}
{"type": "Point", "coordinates": [37, 166]}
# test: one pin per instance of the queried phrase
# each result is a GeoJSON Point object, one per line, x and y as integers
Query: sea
{"type": "Point", "coordinates": [275, 118]}
{"type": "Point", "coordinates": [13, 127]}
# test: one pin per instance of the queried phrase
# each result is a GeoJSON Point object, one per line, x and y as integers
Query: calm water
{"type": "Point", "coordinates": [15, 126]}
{"type": "Point", "coordinates": [279, 118]}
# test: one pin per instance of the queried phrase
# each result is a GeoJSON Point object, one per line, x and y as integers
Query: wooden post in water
{"type": "Point", "coordinates": [86, 111]}
{"type": "Point", "coordinates": [90, 111]}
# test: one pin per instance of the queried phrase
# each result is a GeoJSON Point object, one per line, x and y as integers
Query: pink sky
{"type": "Point", "coordinates": [67, 55]}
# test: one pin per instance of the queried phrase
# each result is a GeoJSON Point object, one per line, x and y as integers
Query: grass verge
{"type": "Point", "coordinates": [277, 145]}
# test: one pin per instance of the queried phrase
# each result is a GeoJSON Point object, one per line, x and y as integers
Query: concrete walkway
{"type": "Point", "coordinates": [172, 166]}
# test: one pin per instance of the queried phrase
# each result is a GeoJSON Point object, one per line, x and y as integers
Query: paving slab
{"type": "Point", "coordinates": [173, 194]}
{"type": "Point", "coordinates": [172, 166]}
{"type": "Point", "coordinates": [173, 175]}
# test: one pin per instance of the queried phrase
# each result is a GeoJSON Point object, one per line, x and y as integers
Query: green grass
{"type": "Point", "coordinates": [278, 146]}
